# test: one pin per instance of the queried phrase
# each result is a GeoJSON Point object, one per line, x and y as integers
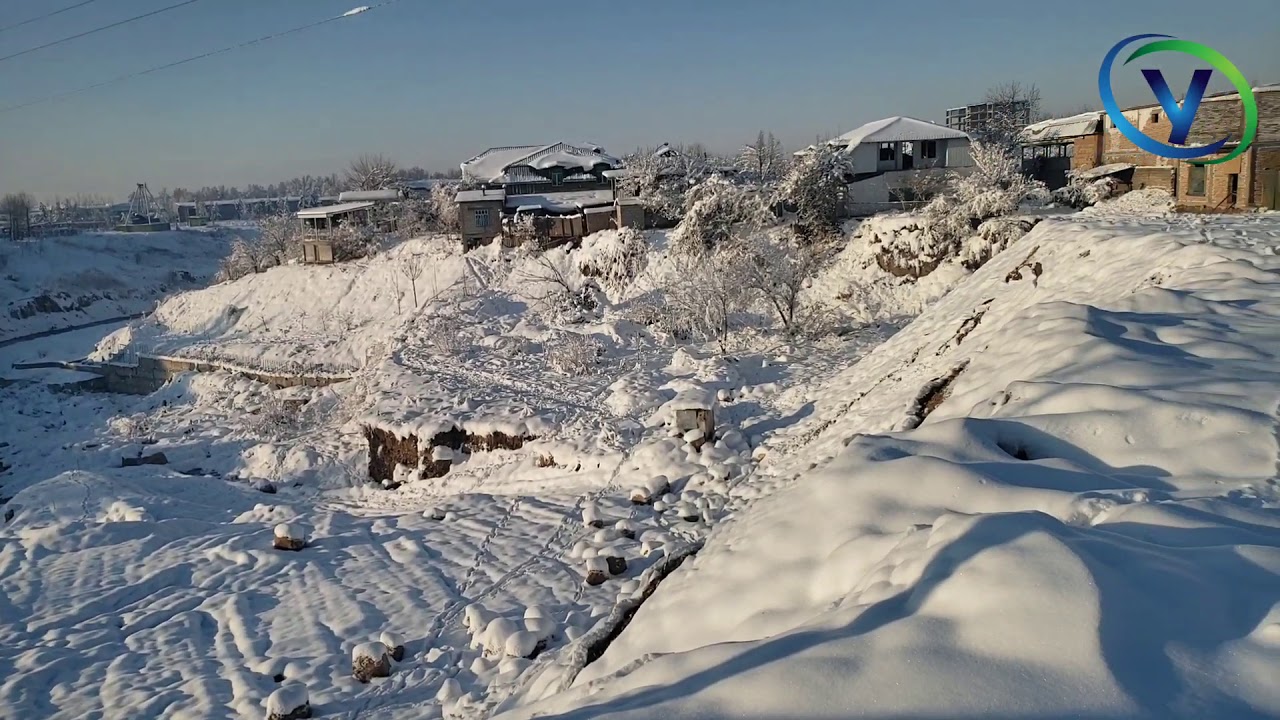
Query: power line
{"type": "Point", "coordinates": [97, 30]}
{"type": "Point", "coordinates": [46, 15]}
{"type": "Point", "coordinates": [229, 48]}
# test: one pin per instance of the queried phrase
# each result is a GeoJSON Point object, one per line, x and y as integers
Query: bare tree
{"type": "Point", "coordinates": [371, 172]}
{"type": "Point", "coordinates": [777, 269]}
{"type": "Point", "coordinates": [18, 206]}
{"type": "Point", "coordinates": [411, 266]}
{"type": "Point", "coordinates": [1013, 107]}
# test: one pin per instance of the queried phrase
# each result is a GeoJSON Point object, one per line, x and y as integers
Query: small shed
{"type": "Point", "coordinates": [319, 224]}
{"type": "Point", "coordinates": [695, 413]}
{"type": "Point", "coordinates": [630, 213]}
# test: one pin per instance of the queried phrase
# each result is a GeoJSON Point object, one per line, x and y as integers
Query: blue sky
{"type": "Point", "coordinates": [432, 82]}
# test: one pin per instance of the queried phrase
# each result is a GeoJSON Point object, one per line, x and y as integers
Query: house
{"type": "Point", "coordinates": [886, 159]}
{"type": "Point", "coordinates": [320, 223]}
{"type": "Point", "coordinates": [1049, 147]}
{"type": "Point", "coordinates": [244, 208]}
{"type": "Point", "coordinates": [532, 182]}
{"type": "Point", "coordinates": [1251, 180]}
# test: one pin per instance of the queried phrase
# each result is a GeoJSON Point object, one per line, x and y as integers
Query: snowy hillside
{"type": "Point", "coordinates": [1084, 525]}
{"type": "Point", "coordinates": [63, 282]}
{"type": "Point", "coordinates": [1052, 494]}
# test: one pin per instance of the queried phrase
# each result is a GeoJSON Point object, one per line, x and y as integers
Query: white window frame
{"type": "Point", "coordinates": [482, 217]}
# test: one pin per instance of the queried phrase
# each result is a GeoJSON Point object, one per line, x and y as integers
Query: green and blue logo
{"type": "Point", "coordinates": [1180, 116]}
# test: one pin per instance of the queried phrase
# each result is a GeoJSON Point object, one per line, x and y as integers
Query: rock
{"type": "Point", "coordinates": [591, 517]}
{"type": "Point", "coordinates": [289, 702]}
{"type": "Point", "coordinates": [289, 537]}
{"type": "Point", "coordinates": [617, 564]}
{"type": "Point", "coordinates": [152, 459]}
{"type": "Point", "coordinates": [597, 571]}
{"type": "Point", "coordinates": [264, 486]}
{"type": "Point", "coordinates": [449, 691]}
{"type": "Point", "coordinates": [369, 661]}
{"type": "Point", "coordinates": [639, 496]}
{"type": "Point", "coordinates": [395, 642]}
{"type": "Point", "coordinates": [626, 528]}
{"type": "Point", "coordinates": [688, 512]}
{"type": "Point", "coordinates": [521, 644]}
{"type": "Point", "coordinates": [434, 513]}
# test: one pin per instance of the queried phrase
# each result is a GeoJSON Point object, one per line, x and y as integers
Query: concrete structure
{"type": "Point", "coordinates": [886, 159]}
{"type": "Point", "coordinates": [976, 119]}
{"type": "Point", "coordinates": [320, 223]}
{"type": "Point", "coordinates": [1248, 181]}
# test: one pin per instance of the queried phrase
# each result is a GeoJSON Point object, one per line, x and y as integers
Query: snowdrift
{"type": "Point", "coordinates": [1084, 522]}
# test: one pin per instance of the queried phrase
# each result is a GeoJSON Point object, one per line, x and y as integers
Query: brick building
{"type": "Point", "coordinates": [1248, 181]}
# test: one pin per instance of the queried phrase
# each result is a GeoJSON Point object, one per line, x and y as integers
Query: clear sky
{"type": "Point", "coordinates": [432, 82]}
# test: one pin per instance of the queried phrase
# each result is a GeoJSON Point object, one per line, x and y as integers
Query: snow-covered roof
{"type": "Point", "coordinates": [1102, 171]}
{"type": "Point", "coordinates": [896, 129]}
{"type": "Point", "coordinates": [493, 164]}
{"type": "Point", "coordinates": [562, 202]}
{"type": "Point", "coordinates": [331, 210]}
{"type": "Point", "coordinates": [368, 195]}
{"type": "Point", "coordinates": [481, 194]}
{"type": "Point", "coordinates": [1067, 127]}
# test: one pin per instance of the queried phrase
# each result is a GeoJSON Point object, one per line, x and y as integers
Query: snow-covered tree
{"type": "Point", "coordinates": [764, 160]}
{"type": "Point", "coordinates": [443, 203]}
{"type": "Point", "coordinates": [777, 269]}
{"type": "Point", "coordinates": [659, 179]}
{"type": "Point", "coordinates": [995, 187]}
{"type": "Point", "coordinates": [716, 210]}
{"type": "Point", "coordinates": [280, 238]}
{"type": "Point", "coordinates": [614, 258]}
{"type": "Point", "coordinates": [1013, 107]}
{"type": "Point", "coordinates": [246, 257]}
{"type": "Point", "coordinates": [815, 188]}
{"type": "Point", "coordinates": [704, 292]}
{"type": "Point", "coordinates": [371, 172]}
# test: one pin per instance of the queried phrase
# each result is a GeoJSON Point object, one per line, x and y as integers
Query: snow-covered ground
{"type": "Point", "coordinates": [63, 282]}
{"type": "Point", "coordinates": [1084, 526]}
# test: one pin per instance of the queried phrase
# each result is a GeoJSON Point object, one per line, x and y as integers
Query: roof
{"type": "Point", "coordinates": [330, 210]}
{"type": "Point", "coordinates": [1067, 127]}
{"type": "Point", "coordinates": [481, 194]}
{"type": "Point", "coordinates": [1102, 171]}
{"type": "Point", "coordinates": [492, 165]}
{"type": "Point", "coordinates": [896, 129]}
{"type": "Point", "coordinates": [1224, 95]}
{"type": "Point", "coordinates": [369, 195]}
{"type": "Point", "coordinates": [562, 202]}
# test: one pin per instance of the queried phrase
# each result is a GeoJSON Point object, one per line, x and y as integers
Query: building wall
{"type": "Point", "coordinates": [1087, 152]}
{"type": "Point", "coordinates": [467, 219]}
{"type": "Point", "coordinates": [1266, 164]}
{"type": "Point", "coordinates": [1153, 177]}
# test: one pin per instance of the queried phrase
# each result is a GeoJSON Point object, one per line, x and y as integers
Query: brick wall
{"type": "Point", "coordinates": [1266, 161]}
{"type": "Point", "coordinates": [1153, 177]}
{"type": "Point", "coordinates": [1087, 152]}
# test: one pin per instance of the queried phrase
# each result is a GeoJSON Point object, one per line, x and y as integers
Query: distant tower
{"type": "Point", "coordinates": [145, 214]}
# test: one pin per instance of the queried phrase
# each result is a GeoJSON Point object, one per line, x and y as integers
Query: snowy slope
{"type": "Point", "coordinates": [1086, 526]}
{"type": "Point", "coordinates": [67, 281]}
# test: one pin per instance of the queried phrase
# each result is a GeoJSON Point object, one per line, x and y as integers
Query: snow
{"type": "Point", "coordinates": [561, 201]}
{"type": "Point", "coordinates": [1102, 171]}
{"type": "Point", "coordinates": [288, 698]}
{"type": "Point", "coordinates": [356, 11]}
{"type": "Point", "coordinates": [374, 651]}
{"type": "Point", "coordinates": [492, 165]}
{"type": "Point", "coordinates": [63, 282]}
{"type": "Point", "coordinates": [1086, 123]}
{"type": "Point", "coordinates": [1095, 499]}
{"type": "Point", "coordinates": [1084, 526]}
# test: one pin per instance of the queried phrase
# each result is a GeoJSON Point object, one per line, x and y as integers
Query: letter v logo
{"type": "Point", "coordinates": [1180, 116]}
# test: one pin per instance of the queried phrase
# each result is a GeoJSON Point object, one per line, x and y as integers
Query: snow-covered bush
{"type": "Point", "coordinates": [445, 334]}
{"type": "Point", "coordinates": [716, 211]}
{"type": "Point", "coordinates": [1083, 192]}
{"type": "Point", "coordinates": [444, 207]}
{"type": "Point", "coordinates": [995, 187]}
{"type": "Point", "coordinates": [133, 428]}
{"type": "Point", "coordinates": [353, 240]}
{"type": "Point", "coordinates": [279, 239]}
{"type": "Point", "coordinates": [814, 188]}
{"type": "Point", "coordinates": [705, 291]}
{"type": "Point", "coordinates": [777, 269]}
{"type": "Point", "coordinates": [993, 237]}
{"type": "Point", "coordinates": [574, 355]}
{"type": "Point", "coordinates": [246, 257]}
{"type": "Point", "coordinates": [274, 418]}
{"type": "Point", "coordinates": [660, 180]}
{"type": "Point", "coordinates": [614, 257]}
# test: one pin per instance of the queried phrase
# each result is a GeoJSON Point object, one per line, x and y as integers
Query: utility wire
{"type": "Point", "coordinates": [202, 56]}
{"type": "Point", "coordinates": [86, 33]}
{"type": "Point", "coordinates": [46, 15]}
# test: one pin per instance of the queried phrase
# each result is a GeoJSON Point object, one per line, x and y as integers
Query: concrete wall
{"type": "Point", "coordinates": [150, 374]}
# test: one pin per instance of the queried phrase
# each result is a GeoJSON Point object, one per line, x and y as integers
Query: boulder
{"type": "Point", "coordinates": [289, 537]}
{"type": "Point", "coordinates": [289, 702]}
{"type": "Point", "coordinates": [616, 563]}
{"type": "Point", "coordinates": [395, 642]}
{"type": "Point", "coordinates": [597, 571]}
{"type": "Point", "coordinates": [369, 661]}
{"type": "Point", "coordinates": [152, 459]}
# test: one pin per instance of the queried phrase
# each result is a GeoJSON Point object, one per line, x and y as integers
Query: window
{"type": "Point", "coordinates": [929, 149]}
{"type": "Point", "coordinates": [1071, 150]}
{"type": "Point", "coordinates": [482, 218]}
{"type": "Point", "coordinates": [1195, 180]}
{"type": "Point", "coordinates": [1155, 116]}
{"type": "Point", "coordinates": [557, 177]}
{"type": "Point", "coordinates": [887, 152]}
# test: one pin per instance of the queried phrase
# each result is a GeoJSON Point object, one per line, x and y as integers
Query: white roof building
{"type": "Point", "coordinates": [331, 210]}
{"type": "Point", "coordinates": [518, 163]}
{"type": "Point", "coordinates": [895, 129]}
{"type": "Point", "coordinates": [1062, 129]}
